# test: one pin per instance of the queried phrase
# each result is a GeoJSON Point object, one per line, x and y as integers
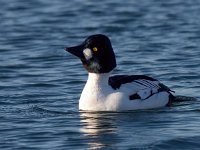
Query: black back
{"type": "Point", "coordinates": [116, 81]}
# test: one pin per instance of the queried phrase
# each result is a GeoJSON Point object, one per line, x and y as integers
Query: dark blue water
{"type": "Point", "coordinates": [40, 83]}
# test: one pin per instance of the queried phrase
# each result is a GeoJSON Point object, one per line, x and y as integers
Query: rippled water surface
{"type": "Point", "coordinates": [40, 84]}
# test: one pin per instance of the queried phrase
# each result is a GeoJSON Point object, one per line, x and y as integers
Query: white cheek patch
{"type": "Point", "coordinates": [87, 53]}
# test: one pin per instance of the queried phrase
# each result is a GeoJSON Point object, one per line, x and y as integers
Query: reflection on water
{"type": "Point", "coordinates": [100, 128]}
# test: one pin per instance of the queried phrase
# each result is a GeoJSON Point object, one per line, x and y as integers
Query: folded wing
{"type": "Point", "coordinates": [144, 86]}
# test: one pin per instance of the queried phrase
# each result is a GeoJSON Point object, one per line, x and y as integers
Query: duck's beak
{"type": "Point", "coordinates": [76, 50]}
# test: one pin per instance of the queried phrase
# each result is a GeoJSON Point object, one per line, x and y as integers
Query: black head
{"type": "Point", "coordinates": [96, 54]}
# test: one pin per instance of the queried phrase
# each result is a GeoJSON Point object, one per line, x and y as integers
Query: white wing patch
{"type": "Point", "coordinates": [149, 88]}
{"type": "Point", "coordinates": [137, 87]}
{"type": "Point", "coordinates": [143, 89]}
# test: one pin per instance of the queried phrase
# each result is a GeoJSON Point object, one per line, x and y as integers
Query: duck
{"type": "Point", "coordinates": [106, 92]}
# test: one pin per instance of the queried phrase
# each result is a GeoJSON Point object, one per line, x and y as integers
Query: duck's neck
{"type": "Point", "coordinates": [95, 92]}
{"type": "Point", "coordinates": [98, 79]}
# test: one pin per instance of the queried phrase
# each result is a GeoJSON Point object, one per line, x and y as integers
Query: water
{"type": "Point", "coordinates": [40, 83]}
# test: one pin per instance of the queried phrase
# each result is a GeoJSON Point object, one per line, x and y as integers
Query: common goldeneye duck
{"type": "Point", "coordinates": [103, 92]}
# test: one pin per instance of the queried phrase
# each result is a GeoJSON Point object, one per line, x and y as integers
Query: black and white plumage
{"type": "Point", "coordinates": [144, 83]}
{"type": "Point", "coordinates": [103, 92]}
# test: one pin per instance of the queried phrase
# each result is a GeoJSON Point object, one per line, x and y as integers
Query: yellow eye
{"type": "Point", "coordinates": [95, 49]}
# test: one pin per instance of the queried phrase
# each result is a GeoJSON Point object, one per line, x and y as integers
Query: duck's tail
{"type": "Point", "coordinates": [179, 98]}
